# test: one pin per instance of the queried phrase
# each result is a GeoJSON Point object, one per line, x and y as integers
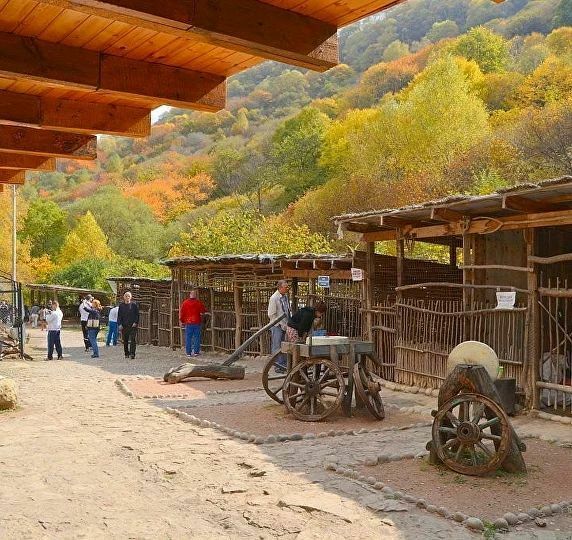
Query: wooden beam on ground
{"type": "Point", "coordinates": [249, 26]}
{"type": "Point", "coordinates": [16, 162]}
{"type": "Point", "coordinates": [481, 226]}
{"type": "Point", "coordinates": [12, 177]}
{"type": "Point", "coordinates": [44, 142]}
{"type": "Point", "coordinates": [522, 204]}
{"type": "Point", "coordinates": [445, 214]}
{"type": "Point", "coordinates": [24, 58]}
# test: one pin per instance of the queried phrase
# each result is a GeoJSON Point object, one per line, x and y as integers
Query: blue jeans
{"type": "Point", "coordinates": [54, 341]}
{"type": "Point", "coordinates": [92, 335]}
{"type": "Point", "coordinates": [278, 336]}
{"type": "Point", "coordinates": [111, 333]}
{"type": "Point", "coordinates": [193, 338]}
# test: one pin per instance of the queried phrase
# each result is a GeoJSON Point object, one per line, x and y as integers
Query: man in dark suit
{"type": "Point", "coordinates": [128, 320]}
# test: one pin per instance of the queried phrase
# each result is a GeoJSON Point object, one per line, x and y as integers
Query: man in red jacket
{"type": "Point", "coordinates": [190, 315]}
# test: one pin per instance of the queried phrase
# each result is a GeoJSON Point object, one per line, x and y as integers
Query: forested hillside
{"type": "Point", "coordinates": [433, 97]}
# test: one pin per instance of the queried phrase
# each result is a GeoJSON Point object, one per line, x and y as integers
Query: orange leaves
{"type": "Point", "coordinates": [172, 193]}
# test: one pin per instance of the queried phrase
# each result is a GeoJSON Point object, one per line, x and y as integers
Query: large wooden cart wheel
{"type": "Point", "coordinates": [313, 389]}
{"type": "Point", "coordinates": [471, 434]}
{"type": "Point", "coordinates": [368, 390]}
{"type": "Point", "coordinates": [271, 381]}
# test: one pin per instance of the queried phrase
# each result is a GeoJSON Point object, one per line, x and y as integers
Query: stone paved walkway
{"type": "Point", "coordinates": [80, 459]}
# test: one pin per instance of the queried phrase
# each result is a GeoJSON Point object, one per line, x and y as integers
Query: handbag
{"type": "Point", "coordinates": [93, 323]}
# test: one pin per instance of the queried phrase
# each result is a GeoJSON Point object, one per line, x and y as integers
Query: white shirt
{"type": "Point", "coordinates": [54, 319]}
{"type": "Point", "coordinates": [113, 314]}
{"type": "Point", "coordinates": [276, 307]}
{"type": "Point", "coordinates": [83, 313]}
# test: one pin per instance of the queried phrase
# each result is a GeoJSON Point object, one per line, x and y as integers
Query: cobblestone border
{"type": "Point", "coordinates": [396, 387]}
{"type": "Point", "coordinates": [474, 523]}
{"type": "Point", "coordinates": [281, 438]}
{"type": "Point", "coordinates": [125, 389]}
{"type": "Point", "coordinates": [551, 417]}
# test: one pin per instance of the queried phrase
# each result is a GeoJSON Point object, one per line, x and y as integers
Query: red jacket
{"type": "Point", "coordinates": [191, 311]}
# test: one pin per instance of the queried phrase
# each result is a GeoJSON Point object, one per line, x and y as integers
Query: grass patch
{"type": "Point", "coordinates": [490, 532]}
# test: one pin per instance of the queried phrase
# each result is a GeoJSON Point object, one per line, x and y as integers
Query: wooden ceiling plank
{"type": "Point", "coordinates": [75, 68]}
{"type": "Point", "coordinates": [74, 116]}
{"type": "Point", "coordinates": [17, 162]}
{"type": "Point", "coordinates": [250, 26]}
{"type": "Point", "coordinates": [12, 177]}
{"type": "Point", "coordinates": [43, 142]}
{"type": "Point", "coordinates": [522, 204]}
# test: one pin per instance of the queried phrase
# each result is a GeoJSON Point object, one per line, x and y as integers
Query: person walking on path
{"type": "Point", "coordinates": [94, 315]}
{"type": "Point", "coordinates": [54, 319]}
{"type": "Point", "coordinates": [112, 326]}
{"type": "Point", "coordinates": [128, 320]}
{"type": "Point", "coordinates": [190, 315]}
{"type": "Point", "coordinates": [278, 305]}
{"type": "Point", "coordinates": [83, 315]}
{"type": "Point", "coordinates": [34, 311]}
{"type": "Point", "coordinates": [42, 317]}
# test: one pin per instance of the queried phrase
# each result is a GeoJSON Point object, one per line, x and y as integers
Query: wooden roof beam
{"type": "Point", "coordinates": [441, 213]}
{"type": "Point", "coordinates": [249, 26]}
{"type": "Point", "coordinates": [398, 222]}
{"type": "Point", "coordinates": [26, 58]}
{"type": "Point", "coordinates": [524, 205]}
{"type": "Point", "coordinates": [43, 142]}
{"type": "Point", "coordinates": [74, 116]}
{"type": "Point", "coordinates": [12, 177]}
{"type": "Point", "coordinates": [481, 226]}
{"type": "Point", "coordinates": [18, 162]}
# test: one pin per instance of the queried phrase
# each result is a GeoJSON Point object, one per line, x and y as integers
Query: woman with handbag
{"type": "Point", "coordinates": [93, 326]}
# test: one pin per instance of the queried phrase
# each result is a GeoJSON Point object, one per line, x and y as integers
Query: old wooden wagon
{"type": "Point", "coordinates": [517, 241]}
{"type": "Point", "coordinates": [154, 299]}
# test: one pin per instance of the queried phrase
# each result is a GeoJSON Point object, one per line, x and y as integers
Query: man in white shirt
{"type": "Point", "coordinates": [54, 319]}
{"type": "Point", "coordinates": [112, 326]}
{"type": "Point", "coordinates": [83, 316]}
{"type": "Point", "coordinates": [279, 305]}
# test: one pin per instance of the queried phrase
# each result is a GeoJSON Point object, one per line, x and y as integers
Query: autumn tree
{"type": "Point", "coordinates": [85, 241]}
{"type": "Point", "coordinates": [45, 227]}
{"type": "Point", "coordinates": [489, 50]}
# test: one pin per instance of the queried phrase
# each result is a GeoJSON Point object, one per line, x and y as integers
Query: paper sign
{"type": "Point", "coordinates": [357, 274]}
{"type": "Point", "coordinates": [324, 282]}
{"type": "Point", "coordinates": [506, 300]}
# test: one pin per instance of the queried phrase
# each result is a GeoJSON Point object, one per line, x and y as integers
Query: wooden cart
{"type": "Point", "coordinates": [320, 378]}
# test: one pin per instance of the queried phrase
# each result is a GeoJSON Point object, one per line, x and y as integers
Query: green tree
{"type": "Point", "coordinates": [563, 13]}
{"type": "Point", "coordinates": [240, 127]}
{"type": "Point", "coordinates": [45, 227]}
{"type": "Point", "coordinates": [396, 49]}
{"type": "Point", "coordinates": [114, 164]}
{"type": "Point", "coordinates": [89, 273]}
{"type": "Point", "coordinates": [247, 232]}
{"type": "Point", "coordinates": [442, 30]}
{"type": "Point", "coordinates": [489, 50]}
{"type": "Point", "coordinates": [296, 147]}
{"type": "Point", "coordinates": [85, 241]}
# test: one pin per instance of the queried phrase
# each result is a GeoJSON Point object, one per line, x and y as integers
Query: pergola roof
{"type": "Point", "coordinates": [306, 260]}
{"type": "Point", "coordinates": [74, 68]}
{"type": "Point", "coordinates": [543, 204]}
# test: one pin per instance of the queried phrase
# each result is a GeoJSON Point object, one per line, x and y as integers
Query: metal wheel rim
{"type": "Point", "coordinates": [365, 388]}
{"type": "Point", "coordinates": [456, 438]}
{"type": "Point", "coordinates": [272, 388]}
{"type": "Point", "coordinates": [299, 392]}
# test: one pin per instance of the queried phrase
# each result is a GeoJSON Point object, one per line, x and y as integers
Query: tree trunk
{"type": "Point", "coordinates": [209, 371]}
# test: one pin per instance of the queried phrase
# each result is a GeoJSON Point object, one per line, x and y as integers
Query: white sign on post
{"type": "Point", "coordinates": [324, 282]}
{"type": "Point", "coordinates": [357, 274]}
{"type": "Point", "coordinates": [506, 300]}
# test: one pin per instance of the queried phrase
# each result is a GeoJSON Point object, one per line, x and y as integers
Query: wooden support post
{"type": "Point", "coordinates": [212, 300]}
{"type": "Point", "coordinates": [294, 289]}
{"type": "Point", "coordinates": [238, 313]}
{"type": "Point", "coordinates": [368, 288]}
{"type": "Point", "coordinates": [453, 254]}
{"type": "Point", "coordinates": [400, 248]}
{"type": "Point", "coordinates": [533, 326]}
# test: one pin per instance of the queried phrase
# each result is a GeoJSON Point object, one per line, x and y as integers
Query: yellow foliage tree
{"type": "Point", "coordinates": [85, 241]}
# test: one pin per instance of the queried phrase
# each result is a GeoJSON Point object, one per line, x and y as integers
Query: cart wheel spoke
{"type": "Point", "coordinates": [454, 420]}
{"type": "Point", "coordinates": [449, 444]}
{"type": "Point", "coordinates": [489, 423]}
{"type": "Point", "coordinates": [491, 437]}
{"type": "Point", "coordinates": [323, 375]}
{"type": "Point", "coordinates": [478, 411]}
{"type": "Point", "coordinates": [449, 430]}
{"type": "Point", "coordinates": [485, 449]}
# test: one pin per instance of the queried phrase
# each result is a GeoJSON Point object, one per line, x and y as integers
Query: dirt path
{"type": "Point", "coordinates": [82, 460]}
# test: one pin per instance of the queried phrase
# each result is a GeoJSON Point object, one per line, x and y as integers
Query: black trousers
{"type": "Point", "coordinates": [85, 338]}
{"type": "Point", "coordinates": [54, 341]}
{"type": "Point", "coordinates": [129, 340]}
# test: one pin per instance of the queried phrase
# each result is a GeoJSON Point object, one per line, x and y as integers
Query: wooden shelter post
{"type": "Point", "coordinates": [238, 312]}
{"type": "Point", "coordinates": [532, 356]}
{"type": "Point", "coordinates": [368, 286]}
{"type": "Point", "coordinates": [294, 294]}
{"type": "Point", "coordinates": [467, 280]}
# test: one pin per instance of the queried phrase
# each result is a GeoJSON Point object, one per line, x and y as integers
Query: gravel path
{"type": "Point", "coordinates": [80, 459]}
